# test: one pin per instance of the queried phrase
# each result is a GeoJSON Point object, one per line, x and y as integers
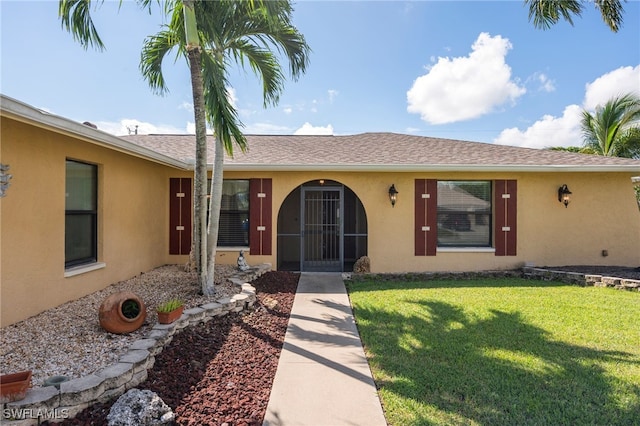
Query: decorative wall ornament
{"type": "Point", "coordinates": [4, 179]}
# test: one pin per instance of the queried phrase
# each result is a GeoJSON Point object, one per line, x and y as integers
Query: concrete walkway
{"type": "Point", "coordinates": [323, 378]}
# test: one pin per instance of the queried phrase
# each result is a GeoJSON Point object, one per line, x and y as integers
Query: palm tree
{"type": "Point", "coordinates": [614, 128]}
{"type": "Point", "coordinates": [235, 31]}
{"type": "Point", "coordinates": [76, 18]}
{"type": "Point", "coordinates": [227, 30]}
{"type": "Point", "coordinates": [546, 13]}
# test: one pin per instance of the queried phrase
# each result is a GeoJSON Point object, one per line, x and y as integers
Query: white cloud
{"type": "Point", "coordinates": [565, 130]}
{"type": "Point", "coordinates": [615, 83]}
{"type": "Point", "coordinates": [287, 110]}
{"type": "Point", "coordinates": [462, 88]}
{"type": "Point", "coordinates": [128, 126]}
{"type": "Point", "coordinates": [546, 85]}
{"type": "Point", "coordinates": [266, 129]}
{"type": "Point", "coordinates": [332, 94]}
{"type": "Point", "coordinates": [187, 106]}
{"type": "Point", "coordinates": [547, 132]}
{"type": "Point", "coordinates": [308, 129]}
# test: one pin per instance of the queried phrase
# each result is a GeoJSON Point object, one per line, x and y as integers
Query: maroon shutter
{"type": "Point", "coordinates": [426, 217]}
{"type": "Point", "coordinates": [260, 216]}
{"type": "Point", "coordinates": [179, 215]}
{"type": "Point", "coordinates": [506, 231]}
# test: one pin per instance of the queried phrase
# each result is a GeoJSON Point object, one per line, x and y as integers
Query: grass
{"type": "Point", "coordinates": [501, 352]}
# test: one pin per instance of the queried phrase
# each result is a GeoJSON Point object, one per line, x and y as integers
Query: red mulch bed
{"type": "Point", "coordinates": [220, 372]}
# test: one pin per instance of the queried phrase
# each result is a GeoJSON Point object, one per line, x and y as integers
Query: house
{"type": "Point", "coordinates": [85, 209]}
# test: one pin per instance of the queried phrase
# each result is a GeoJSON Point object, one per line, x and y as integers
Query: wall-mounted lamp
{"type": "Point", "coordinates": [564, 195]}
{"type": "Point", "coordinates": [393, 195]}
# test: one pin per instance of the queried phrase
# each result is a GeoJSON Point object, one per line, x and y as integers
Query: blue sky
{"type": "Point", "coordinates": [474, 70]}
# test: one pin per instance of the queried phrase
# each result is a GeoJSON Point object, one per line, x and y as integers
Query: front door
{"type": "Point", "coordinates": [322, 229]}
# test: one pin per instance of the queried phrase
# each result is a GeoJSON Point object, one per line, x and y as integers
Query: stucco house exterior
{"type": "Point", "coordinates": [85, 209]}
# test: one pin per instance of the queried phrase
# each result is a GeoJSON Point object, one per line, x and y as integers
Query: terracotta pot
{"type": "Point", "coordinates": [122, 312]}
{"type": "Point", "coordinates": [13, 387]}
{"type": "Point", "coordinates": [169, 317]}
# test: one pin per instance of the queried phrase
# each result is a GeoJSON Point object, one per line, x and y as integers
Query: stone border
{"type": "Point", "coordinates": [544, 274]}
{"type": "Point", "coordinates": [585, 280]}
{"type": "Point", "coordinates": [53, 405]}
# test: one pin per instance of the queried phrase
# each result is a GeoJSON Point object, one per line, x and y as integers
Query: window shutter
{"type": "Point", "coordinates": [426, 217]}
{"type": "Point", "coordinates": [180, 215]}
{"type": "Point", "coordinates": [260, 216]}
{"type": "Point", "coordinates": [506, 231]}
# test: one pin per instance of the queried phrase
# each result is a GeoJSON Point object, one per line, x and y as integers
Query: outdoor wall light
{"type": "Point", "coordinates": [393, 195]}
{"type": "Point", "coordinates": [564, 195]}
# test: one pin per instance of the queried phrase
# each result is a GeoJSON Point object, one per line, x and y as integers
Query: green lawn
{"type": "Point", "coordinates": [501, 351]}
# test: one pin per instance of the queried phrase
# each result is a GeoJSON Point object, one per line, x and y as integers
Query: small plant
{"type": "Point", "coordinates": [169, 305]}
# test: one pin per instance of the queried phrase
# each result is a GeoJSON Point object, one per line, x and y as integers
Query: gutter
{"type": "Point", "coordinates": [22, 112]}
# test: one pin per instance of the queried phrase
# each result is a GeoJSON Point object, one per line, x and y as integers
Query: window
{"type": "Point", "coordinates": [244, 202]}
{"type": "Point", "coordinates": [464, 214]}
{"type": "Point", "coordinates": [81, 213]}
{"type": "Point", "coordinates": [234, 214]}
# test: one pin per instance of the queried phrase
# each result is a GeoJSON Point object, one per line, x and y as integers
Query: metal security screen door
{"type": "Point", "coordinates": [322, 229]}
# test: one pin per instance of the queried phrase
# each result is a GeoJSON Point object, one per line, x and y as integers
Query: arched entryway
{"type": "Point", "coordinates": [322, 226]}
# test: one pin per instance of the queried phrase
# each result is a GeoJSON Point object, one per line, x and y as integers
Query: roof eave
{"type": "Point", "coordinates": [22, 112]}
{"type": "Point", "coordinates": [255, 167]}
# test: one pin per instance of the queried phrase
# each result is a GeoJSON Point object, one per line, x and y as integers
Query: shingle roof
{"type": "Point", "coordinates": [16, 110]}
{"type": "Point", "coordinates": [383, 152]}
{"type": "Point", "coordinates": [362, 152]}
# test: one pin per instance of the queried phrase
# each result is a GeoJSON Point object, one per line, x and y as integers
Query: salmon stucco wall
{"type": "Point", "coordinates": [132, 219]}
{"type": "Point", "coordinates": [603, 215]}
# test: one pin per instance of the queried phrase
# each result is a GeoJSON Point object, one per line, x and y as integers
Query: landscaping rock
{"type": "Point", "coordinates": [362, 265]}
{"type": "Point", "coordinates": [222, 371]}
{"type": "Point", "coordinates": [140, 407]}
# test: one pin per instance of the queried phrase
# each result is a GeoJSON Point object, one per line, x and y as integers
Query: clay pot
{"type": "Point", "coordinates": [13, 387]}
{"type": "Point", "coordinates": [122, 312]}
{"type": "Point", "coordinates": [169, 317]}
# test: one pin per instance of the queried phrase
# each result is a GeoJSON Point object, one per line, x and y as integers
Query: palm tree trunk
{"type": "Point", "coordinates": [200, 168]}
{"type": "Point", "coordinates": [214, 214]}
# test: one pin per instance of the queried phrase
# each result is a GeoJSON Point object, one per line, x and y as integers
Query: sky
{"type": "Point", "coordinates": [468, 70]}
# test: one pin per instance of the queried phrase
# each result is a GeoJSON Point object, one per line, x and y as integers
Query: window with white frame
{"type": "Point", "coordinates": [464, 214]}
{"type": "Point", "coordinates": [81, 213]}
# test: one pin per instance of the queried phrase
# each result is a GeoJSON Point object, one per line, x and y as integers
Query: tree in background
{"type": "Point", "coordinates": [546, 13]}
{"type": "Point", "coordinates": [613, 129]}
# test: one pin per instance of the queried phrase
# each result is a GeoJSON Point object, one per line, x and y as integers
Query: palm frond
{"type": "Point", "coordinates": [75, 17]}
{"type": "Point", "coordinates": [611, 11]}
{"type": "Point", "coordinates": [607, 130]}
{"type": "Point", "coordinates": [248, 33]}
{"type": "Point", "coordinates": [264, 64]}
{"type": "Point", "coordinates": [220, 112]}
{"type": "Point", "coordinates": [154, 50]}
{"type": "Point", "coordinates": [546, 13]}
